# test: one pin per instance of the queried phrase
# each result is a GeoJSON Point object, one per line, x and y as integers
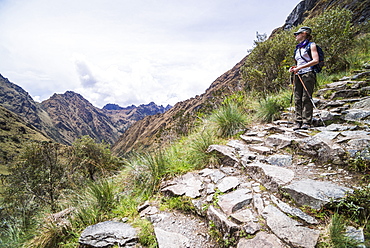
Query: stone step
{"type": "Point", "coordinates": [289, 230]}
{"type": "Point", "coordinates": [272, 177]}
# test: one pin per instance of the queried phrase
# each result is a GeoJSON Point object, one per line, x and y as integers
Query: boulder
{"type": "Point", "coordinates": [323, 149]}
{"type": "Point", "coordinates": [107, 234]}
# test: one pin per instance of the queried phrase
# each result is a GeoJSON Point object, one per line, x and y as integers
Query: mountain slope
{"type": "Point", "coordinates": [156, 130]}
{"type": "Point", "coordinates": [14, 132]}
{"type": "Point", "coordinates": [74, 116]}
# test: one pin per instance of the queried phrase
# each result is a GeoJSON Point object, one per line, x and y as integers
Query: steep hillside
{"type": "Point", "coordinates": [161, 128]}
{"type": "Point", "coordinates": [13, 133]}
{"type": "Point", "coordinates": [156, 130]}
{"type": "Point", "coordinates": [17, 100]}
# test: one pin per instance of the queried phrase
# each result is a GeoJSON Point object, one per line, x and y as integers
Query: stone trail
{"type": "Point", "coordinates": [246, 195]}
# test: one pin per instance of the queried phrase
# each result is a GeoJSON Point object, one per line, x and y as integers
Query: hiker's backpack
{"type": "Point", "coordinates": [318, 67]}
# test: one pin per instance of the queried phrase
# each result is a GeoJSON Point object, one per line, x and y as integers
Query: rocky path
{"type": "Point", "coordinates": [253, 199]}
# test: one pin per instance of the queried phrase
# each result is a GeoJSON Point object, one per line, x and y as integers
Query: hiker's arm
{"type": "Point", "coordinates": [314, 61]}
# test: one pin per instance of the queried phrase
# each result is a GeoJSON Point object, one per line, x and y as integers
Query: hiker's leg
{"type": "Point", "coordinates": [309, 80]}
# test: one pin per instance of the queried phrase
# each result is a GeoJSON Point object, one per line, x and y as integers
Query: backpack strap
{"type": "Point", "coordinates": [308, 49]}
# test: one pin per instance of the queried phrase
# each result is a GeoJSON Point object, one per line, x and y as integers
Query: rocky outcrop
{"type": "Point", "coordinates": [310, 8]}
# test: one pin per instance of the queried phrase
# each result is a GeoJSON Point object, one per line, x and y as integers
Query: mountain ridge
{"type": "Point", "coordinates": [68, 116]}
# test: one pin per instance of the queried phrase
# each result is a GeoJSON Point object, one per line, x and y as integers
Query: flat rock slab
{"type": "Point", "coordinates": [243, 216]}
{"type": "Point", "coordinates": [270, 176]}
{"type": "Point", "coordinates": [167, 239]}
{"type": "Point", "coordinates": [280, 140]}
{"type": "Point", "coordinates": [227, 184]}
{"type": "Point", "coordinates": [188, 184]}
{"type": "Point", "coordinates": [108, 233]}
{"type": "Point", "coordinates": [175, 229]}
{"type": "Point", "coordinates": [260, 149]}
{"type": "Point", "coordinates": [261, 240]}
{"type": "Point", "coordinates": [293, 211]}
{"type": "Point", "coordinates": [315, 193]}
{"type": "Point", "coordinates": [289, 230]}
{"type": "Point", "coordinates": [235, 200]}
{"type": "Point", "coordinates": [280, 160]}
{"type": "Point", "coordinates": [357, 115]}
{"type": "Point", "coordinates": [214, 174]}
{"type": "Point", "coordinates": [251, 139]}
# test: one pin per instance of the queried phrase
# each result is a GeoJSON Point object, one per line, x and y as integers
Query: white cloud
{"type": "Point", "coordinates": [129, 52]}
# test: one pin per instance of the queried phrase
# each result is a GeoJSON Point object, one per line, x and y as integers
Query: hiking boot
{"type": "Point", "coordinates": [305, 126]}
{"type": "Point", "coordinates": [297, 126]}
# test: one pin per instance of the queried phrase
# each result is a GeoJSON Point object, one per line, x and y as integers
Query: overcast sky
{"type": "Point", "coordinates": [129, 51]}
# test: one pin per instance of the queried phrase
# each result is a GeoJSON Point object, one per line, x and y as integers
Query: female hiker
{"type": "Point", "coordinates": [306, 56]}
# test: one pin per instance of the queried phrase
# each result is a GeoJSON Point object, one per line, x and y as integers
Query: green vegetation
{"type": "Point", "coordinates": [93, 185]}
{"type": "Point", "coordinates": [337, 233]}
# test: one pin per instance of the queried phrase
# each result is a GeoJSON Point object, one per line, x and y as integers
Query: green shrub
{"type": "Point", "coordinates": [355, 206]}
{"type": "Point", "coordinates": [266, 68]}
{"type": "Point", "coordinates": [198, 146]}
{"type": "Point", "coordinates": [92, 160]}
{"type": "Point", "coordinates": [146, 235]}
{"type": "Point", "coordinates": [228, 120]}
{"type": "Point", "coordinates": [270, 108]}
{"type": "Point", "coordinates": [181, 203]}
{"type": "Point", "coordinates": [147, 170]}
{"type": "Point", "coordinates": [334, 32]}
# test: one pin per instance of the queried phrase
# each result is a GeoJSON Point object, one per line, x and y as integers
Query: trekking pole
{"type": "Point", "coordinates": [291, 98]}
{"type": "Point", "coordinates": [304, 86]}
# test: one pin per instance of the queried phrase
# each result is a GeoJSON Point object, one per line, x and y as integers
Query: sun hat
{"type": "Point", "coordinates": [303, 29]}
